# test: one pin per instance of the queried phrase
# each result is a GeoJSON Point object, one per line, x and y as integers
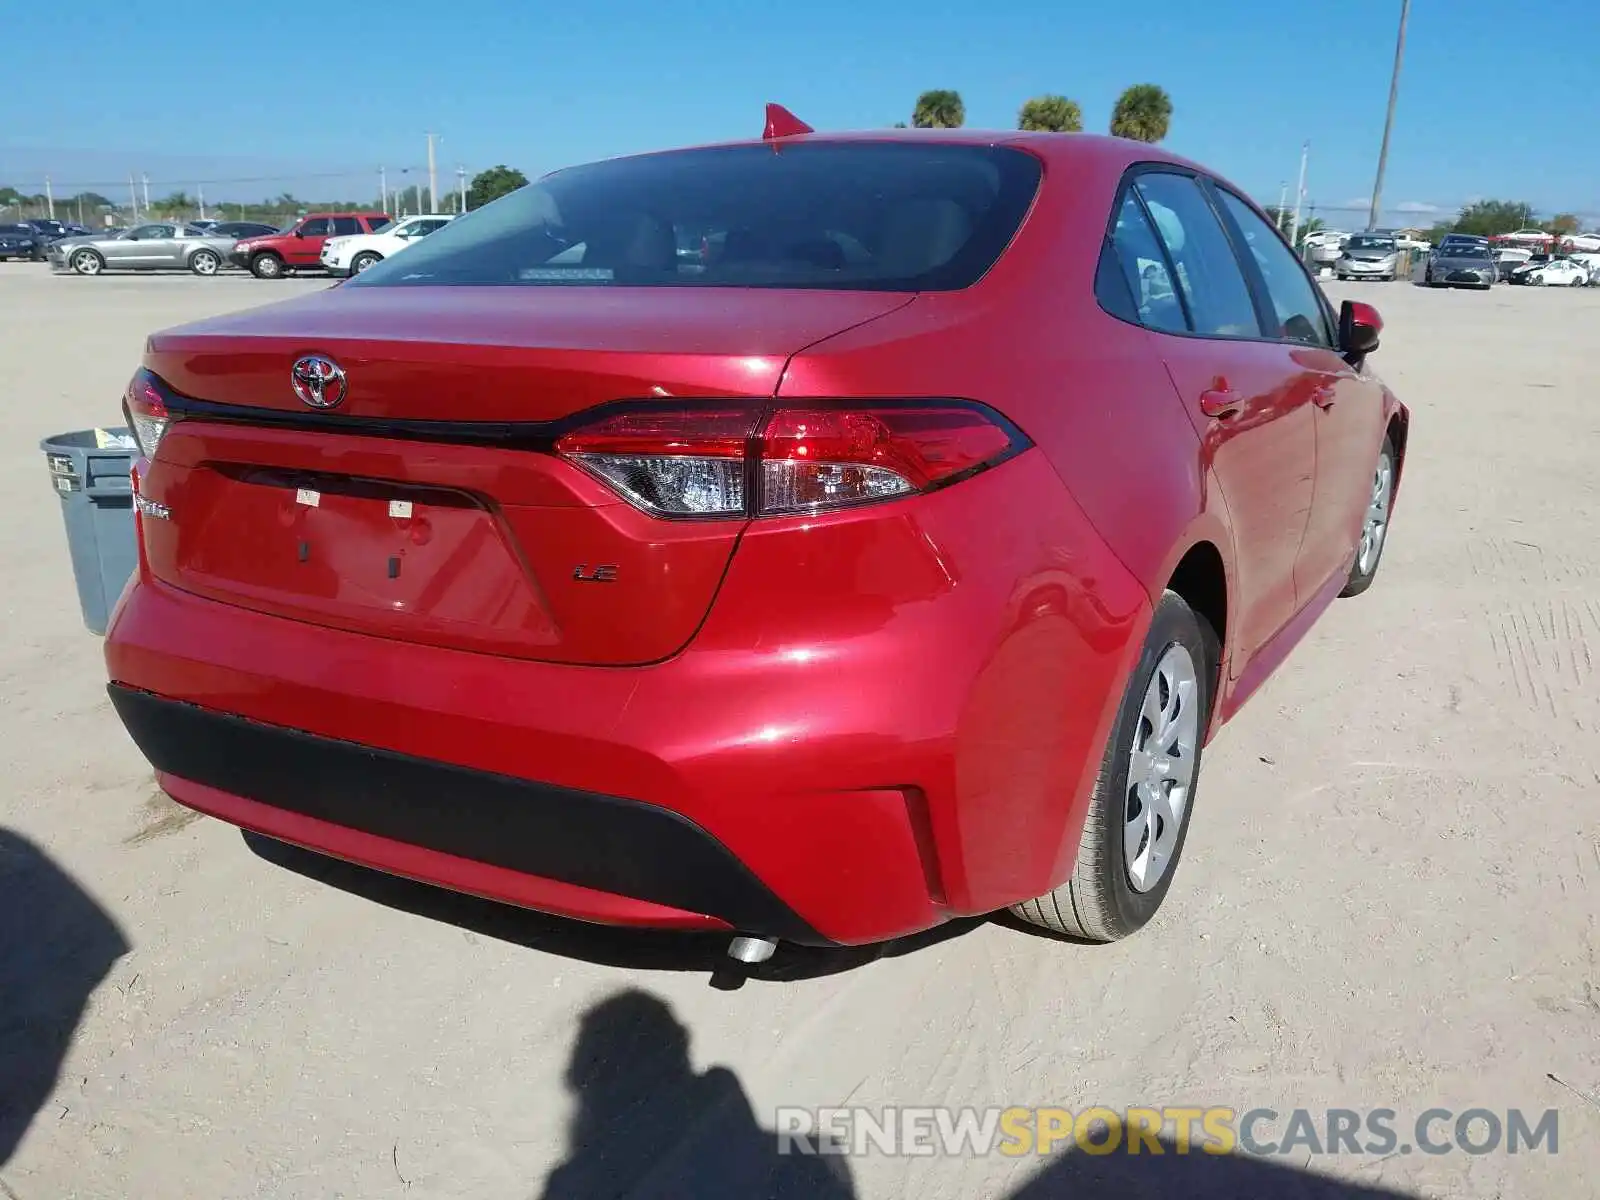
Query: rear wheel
{"type": "Point", "coordinates": [364, 260]}
{"type": "Point", "coordinates": [87, 262]}
{"type": "Point", "coordinates": [1143, 797]}
{"type": "Point", "coordinates": [266, 266]}
{"type": "Point", "coordinates": [205, 262]}
{"type": "Point", "coordinates": [1374, 526]}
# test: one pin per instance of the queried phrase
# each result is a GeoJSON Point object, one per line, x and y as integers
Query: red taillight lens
{"type": "Point", "coordinates": [806, 458]}
{"type": "Point", "coordinates": [824, 457]}
{"type": "Point", "coordinates": [146, 411]}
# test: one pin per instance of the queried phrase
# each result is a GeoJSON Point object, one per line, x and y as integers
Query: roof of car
{"type": "Point", "coordinates": [1049, 146]}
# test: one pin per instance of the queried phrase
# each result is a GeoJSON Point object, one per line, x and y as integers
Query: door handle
{"type": "Point", "coordinates": [1324, 396]}
{"type": "Point", "coordinates": [1220, 402]}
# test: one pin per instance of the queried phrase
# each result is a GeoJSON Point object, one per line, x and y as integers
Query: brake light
{"type": "Point", "coordinates": [725, 461]}
{"type": "Point", "coordinates": [146, 412]}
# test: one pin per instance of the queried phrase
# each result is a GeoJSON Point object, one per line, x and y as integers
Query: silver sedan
{"type": "Point", "coordinates": [163, 246]}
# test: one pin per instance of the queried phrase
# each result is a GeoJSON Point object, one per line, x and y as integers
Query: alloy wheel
{"type": "Point", "coordinates": [1376, 524]}
{"type": "Point", "coordinates": [1161, 768]}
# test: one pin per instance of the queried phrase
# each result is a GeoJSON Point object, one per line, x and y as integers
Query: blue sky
{"type": "Point", "coordinates": [314, 98]}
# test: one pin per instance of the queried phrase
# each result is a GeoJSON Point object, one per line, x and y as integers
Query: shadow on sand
{"type": "Point", "coordinates": [645, 1125]}
{"type": "Point", "coordinates": [56, 946]}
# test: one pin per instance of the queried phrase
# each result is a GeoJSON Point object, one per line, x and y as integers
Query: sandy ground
{"type": "Point", "coordinates": [1390, 896]}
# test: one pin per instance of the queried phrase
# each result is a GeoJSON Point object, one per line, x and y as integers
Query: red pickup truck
{"type": "Point", "coordinates": [299, 248]}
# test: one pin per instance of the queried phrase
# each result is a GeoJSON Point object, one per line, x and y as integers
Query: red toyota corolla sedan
{"type": "Point", "coordinates": [814, 539]}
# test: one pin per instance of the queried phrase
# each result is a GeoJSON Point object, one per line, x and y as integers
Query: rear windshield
{"type": "Point", "coordinates": [850, 216]}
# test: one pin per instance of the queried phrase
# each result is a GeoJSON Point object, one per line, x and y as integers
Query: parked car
{"type": "Point", "coordinates": [791, 596]}
{"type": "Point", "coordinates": [243, 229]}
{"type": "Point", "coordinates": [343, 256]}
{"type": "Point", "coordinates": [1508, 258]}
{"type": "Point", "coordinates": [1325, 246]}
{"type": "Point", "coordinates": [1369, 256]}
{"type": "Point", "coordinates": [1460, 239]}
{"type": "Point", "coordinates": [299, 248]}
{"type": "Point", "coordinates": [1556, 272]}
{"type": "Point", "coordinates": [159, 246]}
{"type": "Point", "coordinates": [20, 241]}
{"type": "Point", "coordinates": [47, 229]}
{"type": "Point", "coordinates": [1461, 264]}
{"type": "Point", "coordinates": [1590, 262]}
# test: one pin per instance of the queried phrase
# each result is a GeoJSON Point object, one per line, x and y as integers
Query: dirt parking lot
{"type": "Point", "coordinates": [1390, 896]}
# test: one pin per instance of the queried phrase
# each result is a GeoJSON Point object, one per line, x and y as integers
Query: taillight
{"type": "Point", "coordinates": [679, 462]}
{"type": "Point", "coordinates": [146, 411]}
{"type": "Point", "coordinates": [726, 461]}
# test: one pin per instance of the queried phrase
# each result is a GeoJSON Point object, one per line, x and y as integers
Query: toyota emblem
{"type": "Point", "coordinates": [318, 381]}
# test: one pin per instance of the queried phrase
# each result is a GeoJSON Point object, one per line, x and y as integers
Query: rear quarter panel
{"type": "Point", "coordinates": [1092, 393]}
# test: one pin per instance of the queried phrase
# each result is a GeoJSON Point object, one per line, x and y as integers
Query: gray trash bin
{"type": "Point", "coordinates": [97, 505]}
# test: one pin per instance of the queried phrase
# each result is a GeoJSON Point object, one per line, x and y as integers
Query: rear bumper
{"type": "Point", "coordinates": [852, 748]}
{"type": "Point", "coordinates": [549, 847]}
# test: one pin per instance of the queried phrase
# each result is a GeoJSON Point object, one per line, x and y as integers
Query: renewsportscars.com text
{"type": "Point", "coordinates": [972, 1132]}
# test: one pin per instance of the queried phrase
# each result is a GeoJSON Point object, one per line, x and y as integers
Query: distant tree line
{"type": "Point", "coordinates": [92, 208]}
{"type": "Point", "coordinates": [1489, 218]}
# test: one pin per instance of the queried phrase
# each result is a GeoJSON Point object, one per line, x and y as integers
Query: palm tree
{"type": "Point", "coordinates": [1143, 113]}
{"type": "Point", "coordinates": [1051, 114]}
{"type": "Point", "coordinates": [939, 109]}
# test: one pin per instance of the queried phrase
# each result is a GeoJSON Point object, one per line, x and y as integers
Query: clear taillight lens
{"type": "Point", "coordinates": [724, 461]}
{"type": "Point", "coordinates": [146, 411]}
{"type": "Point", "coordinates": [673, 462]}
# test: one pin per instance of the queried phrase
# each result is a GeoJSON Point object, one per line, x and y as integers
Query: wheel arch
{"type": "Point", "coordinates": [1398, 431]}
{"type": "Point", "coordinates": [1201, 578]}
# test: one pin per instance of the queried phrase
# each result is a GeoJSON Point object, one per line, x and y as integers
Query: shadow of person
{"type": "Point", "coordinates": [1191, 1176]}
{"type": "Point", "coordinates": [645, 1125]}
{"type": "Point", "coordinates": [56, 945]}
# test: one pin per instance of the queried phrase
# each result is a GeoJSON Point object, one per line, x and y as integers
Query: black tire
{"type": "Point", "coordinates": [1098, 903]}
{"type": "Point", "coordinates": [1360, 580]}
{"type": "Point", "coordinates": [364, 260]}
{"type": "Point", "coordinates": [267, 265]}
{"type": "Point", "coordinates": [205, 262]}
{"type": "Point", "coordinates": [87, 262]}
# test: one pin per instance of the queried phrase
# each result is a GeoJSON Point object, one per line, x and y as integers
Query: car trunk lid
{"type": "Point", "coordinates": [427, 506]}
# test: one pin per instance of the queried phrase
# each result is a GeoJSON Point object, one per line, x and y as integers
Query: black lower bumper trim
{"type": "Point", "coordinates": [625, 847]}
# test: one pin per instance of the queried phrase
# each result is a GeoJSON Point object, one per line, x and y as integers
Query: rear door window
{"type": "Point", "coordinates": [346, 227]}
{"type": "Point", "coordinates": [1295, 306]}
{"type": "Point", "coordinates": [1209, 275]}
{"type": "Point", "coordinates": [377, 223]}
{"type": "Point", "coordinates": [1143, 264]}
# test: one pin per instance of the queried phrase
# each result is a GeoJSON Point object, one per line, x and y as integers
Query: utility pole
{"type": "Point", "coordinates": [49, 198]}
{"type": "Point", "coordinates": [461, 186]}
{"type": "Point", "coordinates": [133, 198]}
{"type": "Point", "coordinates": [1299, 195]}
{"type": "Point", "coordinates": [1388, 121]}
{"type": "Point", "coordinates": [1283, 203]}
{"type": "Point", "coordinates": [145, 179]}
{"type": "Point", "coordinates": [383, 186]}
{"type": "Point", "coordinates": [202, 197]}
{"type": "Point", "coordinates": [433, 178]}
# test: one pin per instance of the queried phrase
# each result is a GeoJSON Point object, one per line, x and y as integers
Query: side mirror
{"type": "Point", "coordinates": [1359, 327]}
{"type": "Point", "coordinates": [300, 233]}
